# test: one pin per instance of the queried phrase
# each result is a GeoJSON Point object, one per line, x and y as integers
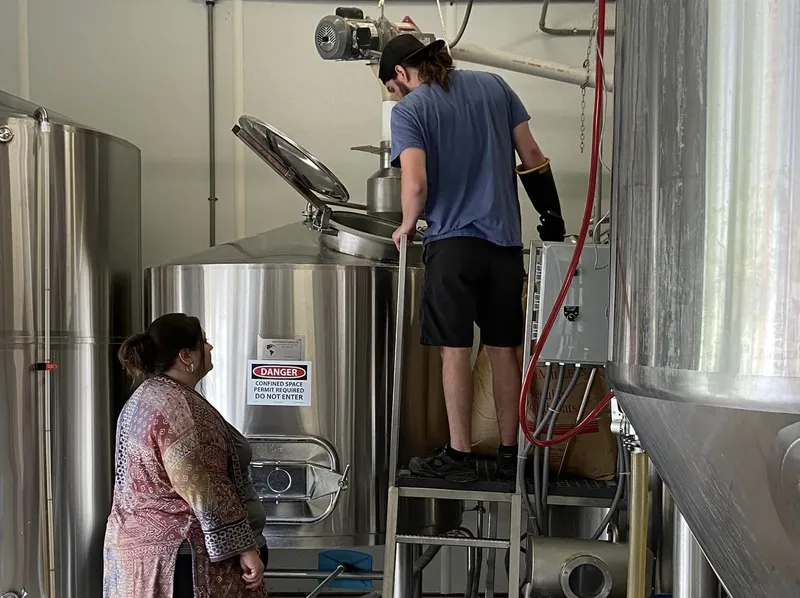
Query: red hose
{"type": "Point", "coordinates": [587, 215]}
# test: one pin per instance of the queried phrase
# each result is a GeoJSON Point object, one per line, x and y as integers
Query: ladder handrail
{"type": "Point", "coordinates": [397, 382]}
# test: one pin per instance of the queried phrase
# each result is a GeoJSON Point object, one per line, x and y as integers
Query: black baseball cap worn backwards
{"type": "Point", "coordinates": [403, 49]}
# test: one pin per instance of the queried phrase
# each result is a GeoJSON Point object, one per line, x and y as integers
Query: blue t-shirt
{"type": "Point", "coordinates": [468, 140]}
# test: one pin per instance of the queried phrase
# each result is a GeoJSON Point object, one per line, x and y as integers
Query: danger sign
{"type": "Point", "coordinates": [279, 372]}
{"type": "Point", "coordinates": [285, 383]}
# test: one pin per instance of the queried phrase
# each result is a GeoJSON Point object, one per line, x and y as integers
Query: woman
{"type": "Point", "coordinates": [185, 521]}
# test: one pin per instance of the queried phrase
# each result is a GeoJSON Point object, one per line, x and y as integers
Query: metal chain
{"type": "Point", "coordinates": [587, 65]}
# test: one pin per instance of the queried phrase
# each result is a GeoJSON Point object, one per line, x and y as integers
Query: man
{"type": "Point", "coordinates": [454, 134]}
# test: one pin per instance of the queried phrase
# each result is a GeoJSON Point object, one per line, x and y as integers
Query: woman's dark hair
{"type": "Point", "coordinates": [434, 68]}
{"type": "Point", "coordinates": [154, 352]}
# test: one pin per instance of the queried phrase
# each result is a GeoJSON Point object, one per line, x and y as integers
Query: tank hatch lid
{"type": "Point", "coordinates": [309, 177]}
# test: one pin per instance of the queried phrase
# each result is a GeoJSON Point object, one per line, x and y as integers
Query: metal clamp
{"type": "Point", "coordinates": [15, 595]}
{"type": "Point", "coordinates": [621, 426]}
{"type": "Point", "coordinates": [317, 219]}
{"type": "Point", "coordinates": [6, 136]}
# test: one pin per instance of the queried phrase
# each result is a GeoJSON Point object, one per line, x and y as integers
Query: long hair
{"type": "Point", "coordinates": [435, 68]}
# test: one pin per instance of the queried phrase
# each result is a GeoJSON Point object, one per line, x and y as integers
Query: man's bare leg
{"type": "Point", "coordinates": [506, 387]}
{"type": "Point", "coordinates": [457, 382]}
{"type": "Point", "coordinates": [454, 462]}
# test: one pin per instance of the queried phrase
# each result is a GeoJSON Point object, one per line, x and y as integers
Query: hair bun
{"type": "Point", "coordinates": [137, 355]}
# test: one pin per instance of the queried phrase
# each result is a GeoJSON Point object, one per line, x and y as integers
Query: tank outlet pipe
{"type": "Point", "coordinates": [44, 364]}
{"type": "Point", "coordinates": [637, 540]}
{"type": "Point", "coordinates": [518, 63]}
{"type": "Point", "coordinates": [212, 125]}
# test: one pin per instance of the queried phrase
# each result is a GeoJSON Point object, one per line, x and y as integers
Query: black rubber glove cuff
{"type": "Point", "coordinates": [541, 190]}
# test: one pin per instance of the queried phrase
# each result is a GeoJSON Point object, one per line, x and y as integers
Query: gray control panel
{"type": "Point", "coordinates": [580, 331]}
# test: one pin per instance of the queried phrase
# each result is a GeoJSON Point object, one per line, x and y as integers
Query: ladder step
{"type": "Point", "coordinates": [452, 541]}
{"type": "Point", "coordinates": [452, 494]}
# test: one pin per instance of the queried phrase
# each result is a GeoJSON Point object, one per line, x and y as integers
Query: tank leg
{"type": "Point", "coordinates": [692, 576]}
{"type": "Point", "coordinates": [405, 585]}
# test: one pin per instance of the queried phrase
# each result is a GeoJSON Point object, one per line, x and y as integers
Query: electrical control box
{"type": "Point", "coordinates": [580, 331]}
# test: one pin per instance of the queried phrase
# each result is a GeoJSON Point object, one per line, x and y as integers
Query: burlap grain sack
{"type": "Point", "coordinates": [591, 454]}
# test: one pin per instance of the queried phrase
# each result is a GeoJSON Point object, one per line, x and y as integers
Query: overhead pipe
{"type": "Point", "coordinates": [212, 142]}
{"type": "Point", "coordinates": [566, 32]}
{"type": "Point", "coordinates": [518, 63]}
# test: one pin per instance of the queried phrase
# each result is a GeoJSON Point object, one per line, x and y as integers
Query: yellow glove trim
{"type": "Point", "coordinates": [541, 168]}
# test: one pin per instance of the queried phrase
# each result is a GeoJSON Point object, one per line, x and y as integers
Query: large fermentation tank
{"type": "Point", "coordinates": [70, 291]}
{"type": "Point", "coordinates": [706, 342]}
{"type": "Point", "coordinates": [323, 292]}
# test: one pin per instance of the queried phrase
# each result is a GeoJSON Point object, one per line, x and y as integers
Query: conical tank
{"type": "Point", "coordinates": [705, 353]}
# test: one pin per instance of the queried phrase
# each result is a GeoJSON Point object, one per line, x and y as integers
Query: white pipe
{"type": "Point", "coordinates": [23, 54]}
{"type": "Point", "coordinates": [386, 119]}
{"type": "Point", "coordinates": [524, 64]}
{"type": "Point", "coordinates": [239, 198]}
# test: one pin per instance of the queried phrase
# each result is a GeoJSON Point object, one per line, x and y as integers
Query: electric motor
{"type": "Point", "coordinates": [349, 35]}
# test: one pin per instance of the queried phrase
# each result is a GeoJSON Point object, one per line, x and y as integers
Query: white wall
{"type": "Point", "coordinates": [137, 69]}
{"type": "Point", "coordinates": [9, 47]}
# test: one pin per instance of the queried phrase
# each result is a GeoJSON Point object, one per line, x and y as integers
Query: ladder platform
{"type": "Point", "coordinates": [453, 541]}
{"type": "Point", "coordinates": [567, 491]}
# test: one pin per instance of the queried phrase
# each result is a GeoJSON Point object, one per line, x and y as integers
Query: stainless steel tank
{"type": "Point", "coordinates": [318, 299]}
{"type": "Point", "coordinates": [706, 333]}
{"type": "Point", "coordinates": [70, 292]}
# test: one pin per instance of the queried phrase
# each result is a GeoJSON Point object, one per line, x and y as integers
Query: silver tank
{"type": "Point", "coordinates": [706, 334]}
{"type": "Point", "coordinates": [70, 292]}
{"type": "Point", "coordinates": [322, 292]}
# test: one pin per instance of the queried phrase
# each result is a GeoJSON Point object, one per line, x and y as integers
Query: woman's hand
{"type": "Point", "coordinates": [252, 569]}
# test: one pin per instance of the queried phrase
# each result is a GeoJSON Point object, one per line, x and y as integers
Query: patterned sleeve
{"type": "Point", "coordinates": [195, 456]}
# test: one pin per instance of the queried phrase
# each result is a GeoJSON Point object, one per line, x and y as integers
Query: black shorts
{"type": "Point", "coordinates": [471, 281]}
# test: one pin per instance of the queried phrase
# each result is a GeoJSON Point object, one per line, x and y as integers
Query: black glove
{"type": "Point", "coordinates": [541, 189]}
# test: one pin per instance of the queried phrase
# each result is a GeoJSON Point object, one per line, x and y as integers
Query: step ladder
{"type": "Point", "coordinates": [425, 488]}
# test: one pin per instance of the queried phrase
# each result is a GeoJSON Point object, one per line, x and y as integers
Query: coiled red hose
{"type": "Point", "coordinates": [594, 167]}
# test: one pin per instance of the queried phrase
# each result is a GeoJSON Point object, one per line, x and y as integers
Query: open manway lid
{"type": "Point", "coordinates": [310, 177]}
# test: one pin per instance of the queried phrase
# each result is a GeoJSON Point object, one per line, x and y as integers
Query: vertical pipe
{"type": "Point", "coordinates": [212, 142]}
{"type": "Point", "coordinates": [692, 576]}
{"type": "Point", "coordinates": [44, 356]}
{"type": "Point", "coordinates": [637, 541]}
{"type": "Point", "coordinates": [239, 198]}
{"type": "Point", "coordinates": [23, 51]}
